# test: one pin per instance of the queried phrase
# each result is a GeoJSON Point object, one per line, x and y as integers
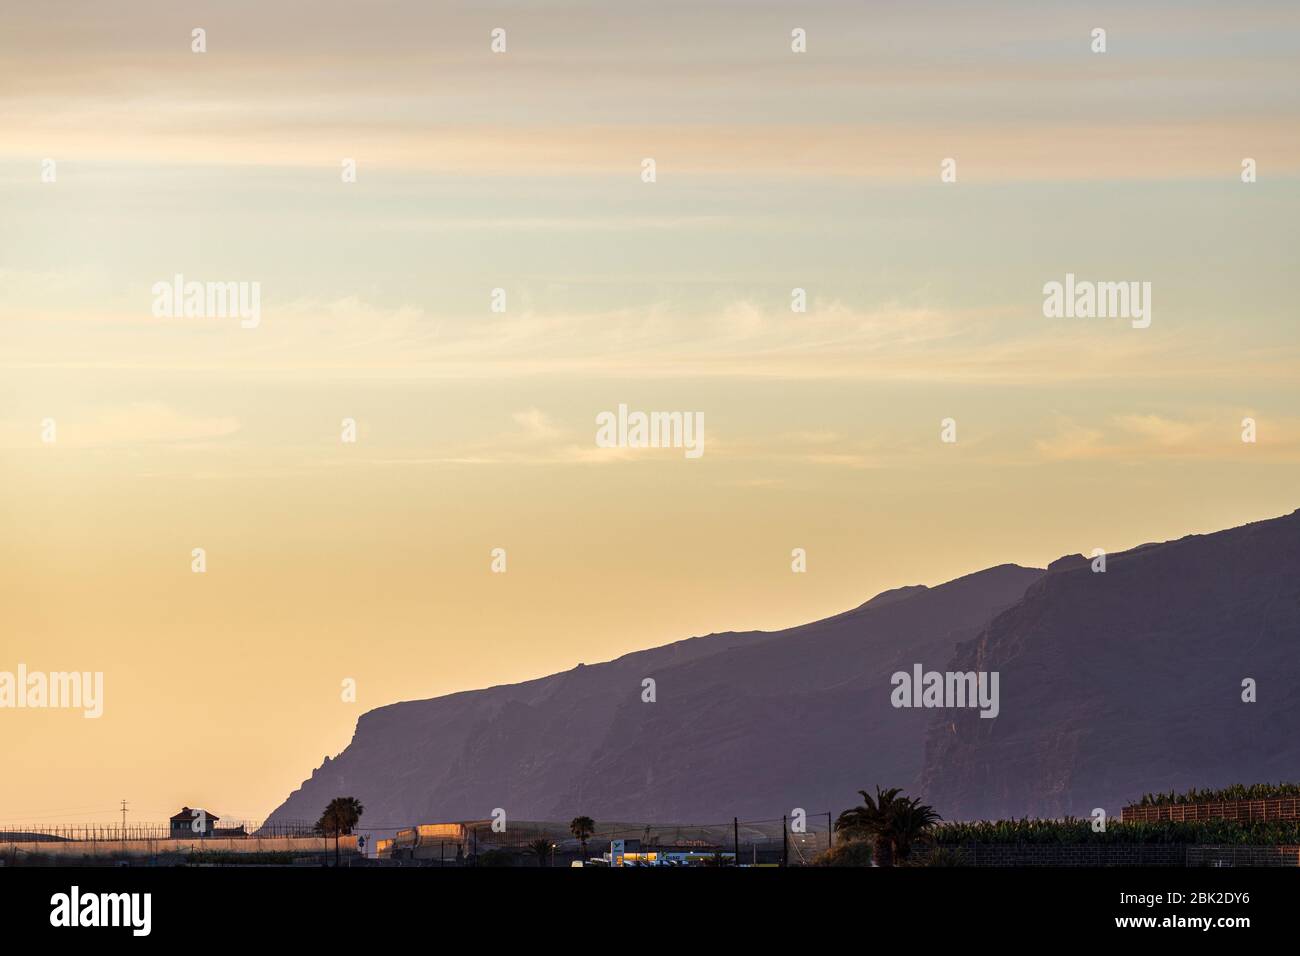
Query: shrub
{"type": "Point", "coordinates": [850, 853]}
{"type": "Point", "coordinates": [1074, 832]}
{"type": "Point", "coordinates": [229, 857]}
{"type": "Point", "coordinates": [1253, 791]}
{"type": "Point", "coordinates": [944, 856]}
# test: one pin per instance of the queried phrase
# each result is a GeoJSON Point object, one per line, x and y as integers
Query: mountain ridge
{"type": "Point", "coordinates": [479, 747]}
{"type": "Point", "coordinates": [1128, 682]}
{"type": "Point", "coordinates": [1112, 684]}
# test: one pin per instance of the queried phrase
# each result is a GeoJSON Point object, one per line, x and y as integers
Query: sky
{"type": "Point", "coordinates": [522, 171]}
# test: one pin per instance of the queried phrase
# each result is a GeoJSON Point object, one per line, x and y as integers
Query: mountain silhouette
{"type": "Point", "coordinates": [744, 724]}
{"type": "Point", "coordinates": [1111, 685]}
{"type": "Point", "coordinates": [1126, 682]}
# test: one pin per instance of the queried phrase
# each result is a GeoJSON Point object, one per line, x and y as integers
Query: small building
{"type": "Point", "coordinates": [191, 823]}
{"type": "Point", "coordinates": [684, 853]}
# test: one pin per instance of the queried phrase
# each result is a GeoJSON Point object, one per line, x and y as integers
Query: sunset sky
{"type": "Point", "coordinates": [522, 171]}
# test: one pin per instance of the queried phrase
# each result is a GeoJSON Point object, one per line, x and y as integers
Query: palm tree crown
{"type": "Point", "coordinates": [342, 814]}
{"type": "Point", "coordinates": [582, 828]}
{"type": "Point", "coordinates": [892, 823]}
{"type": "Point", "coordinates": [540, 848]}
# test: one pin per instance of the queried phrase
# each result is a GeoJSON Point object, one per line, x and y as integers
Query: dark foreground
{"type": "Point", "coordinates": [391, 905]}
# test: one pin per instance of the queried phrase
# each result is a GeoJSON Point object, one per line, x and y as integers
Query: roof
{"type": "Point", "coordinates": [188, 814]}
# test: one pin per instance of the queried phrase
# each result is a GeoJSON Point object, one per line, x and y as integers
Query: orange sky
{"type": "Point", "coordinates": [522, 171]}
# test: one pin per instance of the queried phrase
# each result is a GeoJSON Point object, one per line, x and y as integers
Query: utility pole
{"type": "Point", "coordinates": [735, 824]}
{"type": "Point", "coordinates": [830, 830]}
{"type": "Point", "coordinates": [123, 821]}
{"type": "Point", "coordinates": [785, 843]}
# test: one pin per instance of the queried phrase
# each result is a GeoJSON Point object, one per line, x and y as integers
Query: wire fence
{"type": "Point", "coordinates": [107, 833]}
{"type": "Point", "coordinates": [794, 840]}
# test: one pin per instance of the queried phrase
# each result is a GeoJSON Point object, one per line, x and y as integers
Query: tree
{"type": "Point", "coordinates": [541, 848]}
{"type": "Point", "coordinates": [339, 818]}
{"type": "Point", "coordinates": [583, 828]}
{"type": "Point", "coordinates": [871, 821]}
{"type": "Point", "coordinates": [912, 820]}
{"type": "Point", "coordinates": [892, 824]}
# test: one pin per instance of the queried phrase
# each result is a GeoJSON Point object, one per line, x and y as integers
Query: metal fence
{"type": "Point", "coordinates": [791, 841]}
{"type": "Point", "coordinates": [108, 833]}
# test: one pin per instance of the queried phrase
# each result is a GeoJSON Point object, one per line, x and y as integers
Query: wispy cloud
{"type": "Point", "coordinates": [1215, 435]}
{"type": "Point", "coordinates": [891, 343]}
{"type": "Point", "coordinates": [139, 423]}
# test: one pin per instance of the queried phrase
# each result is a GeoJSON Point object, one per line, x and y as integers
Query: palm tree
{"type": "Point", "coordinates": [892, 823]}
{"type": "Point", "coordinates": [583, 828]}
{"type": "Point", "coordinates": [540, 848]}
{"type": "Point", "coordinates": [912, 820]}
{"type": "Point", "coordinates": [871, 820]}
{"type": "Point", "coordinates": [339, 818]}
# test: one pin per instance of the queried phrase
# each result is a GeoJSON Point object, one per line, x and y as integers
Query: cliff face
{"type": "Point", "coordinates": [748, 724]}
{"type": "Point", "coordinates": [1110, 685]}
{"type": "Point", "coordinates": [1117, 684]}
